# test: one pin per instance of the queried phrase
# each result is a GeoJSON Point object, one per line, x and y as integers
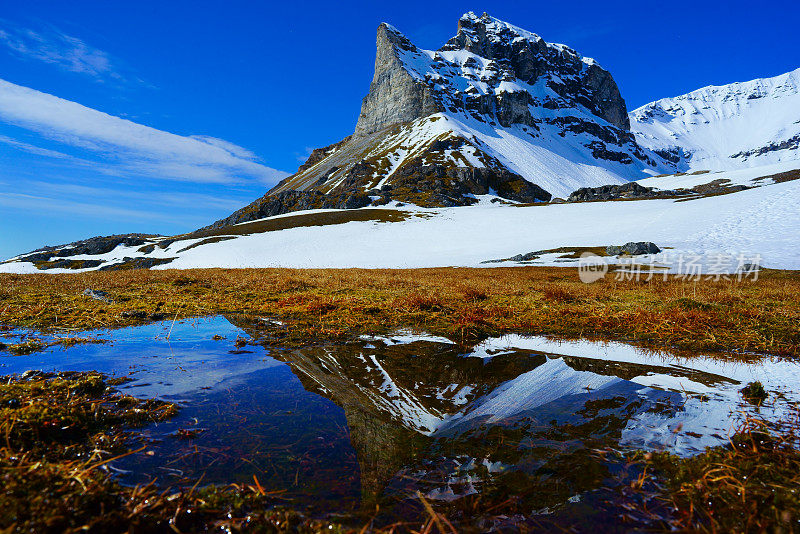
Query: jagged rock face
{"type": "Point", "coordinates": [477, 71]}
{"type": "Point", "coordinates": [394, 95]}
{"type": "Point", "coordinates": [527, 57]}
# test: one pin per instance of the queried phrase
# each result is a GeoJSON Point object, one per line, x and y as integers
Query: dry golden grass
{"type": "Point", "coordinates": [464, 304]}
{"type": "Point", "coordinates": [750, 485]}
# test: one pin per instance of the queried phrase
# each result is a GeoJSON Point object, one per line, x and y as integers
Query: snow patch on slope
{"type": "Point", "coordinates": [762, 220]}
{"type": "Point", "coordinates": [750, 177]}
{"type": "Point", "coordinates": [557, 165]}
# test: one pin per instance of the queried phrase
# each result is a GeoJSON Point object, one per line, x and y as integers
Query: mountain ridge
{"type": "Point", "coordinates": [723, 127]}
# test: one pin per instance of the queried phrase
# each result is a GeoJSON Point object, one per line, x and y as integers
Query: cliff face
{"type": "Point", "coordinates": [394, 95]}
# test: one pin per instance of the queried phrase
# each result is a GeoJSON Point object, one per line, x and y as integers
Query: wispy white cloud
{"type": "Point", "coordinates": [33, 149]}
{"type": "Point", "coordinates": [66, 159]}
{"type": "Point", "coordinates": [65, 192]}
{"type": "Point", "coordinates": [225, 145]}
{"type": "Point", "coordinates": [57, 48]}
{"type": "Point", "coordinates": [125, 146]}
{"type": "Point", "coordinates": [41, 204]}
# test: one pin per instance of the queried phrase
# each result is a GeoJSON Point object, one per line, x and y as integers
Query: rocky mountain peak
{"type": "Point", "coordinates": [394, 96]}
{"type": "Point", "coordinates": [530, 58]}
{"type": "Point", "coordinates": [390, 38]}
{"type": "Point", "coordinates": [486, 35]}
{"type": "Point", "coordinates": [491, 70]}
{"type": "Point", "coordinates": [497, 111]}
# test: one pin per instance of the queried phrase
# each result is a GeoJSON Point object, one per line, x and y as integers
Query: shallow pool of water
{"type": "Point", "coordinates": [341, 427]}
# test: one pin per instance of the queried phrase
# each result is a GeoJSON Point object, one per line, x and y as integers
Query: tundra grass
{"type": "Point", "coordinates": [750, 485]}
{"type": "Point", "coordinates": [57, 432]}
{"type": "Point", "coordinates": [761, 316]}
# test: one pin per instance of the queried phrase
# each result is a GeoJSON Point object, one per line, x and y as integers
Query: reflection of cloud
{"type": "Point", "coordinates": [57, 48]}
{"type": "Point", "coordinates": [132, 148]}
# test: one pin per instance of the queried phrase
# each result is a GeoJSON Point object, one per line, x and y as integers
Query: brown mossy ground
{"type": "Point", "coordinates": [58, 431]}
{"type": "Point", "coordinates": [35, 344]}
{"type": "Point", "coordinates": [463, 304]}
{"type": "Point", "coordinates": [56, 434]}
{"type": "Point", "coordinates": [750, 485]}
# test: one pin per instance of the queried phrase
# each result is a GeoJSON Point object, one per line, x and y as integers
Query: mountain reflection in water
{"type": "Point", "coordinates": [515, 424]}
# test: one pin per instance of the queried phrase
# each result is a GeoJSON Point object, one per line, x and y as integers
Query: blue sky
{"type": "Point", "coordinates": [224, 98]}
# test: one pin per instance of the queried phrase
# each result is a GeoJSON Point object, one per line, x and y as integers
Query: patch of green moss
{"type": "Point", "coordinates": [755, 393]}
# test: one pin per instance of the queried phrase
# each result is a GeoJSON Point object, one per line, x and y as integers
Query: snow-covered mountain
{"type": "Point", "coordinates": [746, 124]}
{"type": "Point", "coordinates": [499, 112]}
{"type": "Point", "coordinates": [496, 109]}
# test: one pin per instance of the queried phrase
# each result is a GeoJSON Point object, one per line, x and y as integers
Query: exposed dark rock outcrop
{"type": "Point", "coordinates": [637, 248]}
{"type": "Point", "coordinates": [67, 264]}
{"type": "Point", "coordinates": [613, 192]}
{"type": "Point", "coordinates": [129, 263]}
{"type": "Point", "coordinates": [289, 201]}
{"type": "Point", "coordinates": [92, 246]}
{"type": "Point", "coordinates": [792, 143]}
{"type": "Point", "coordinates": [437, 185]}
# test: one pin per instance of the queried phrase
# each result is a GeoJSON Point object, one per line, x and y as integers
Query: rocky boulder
{"type": "Point", "coordinates": [613, 192]}
{"type": "Point", "coordinates": [632, 248]}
